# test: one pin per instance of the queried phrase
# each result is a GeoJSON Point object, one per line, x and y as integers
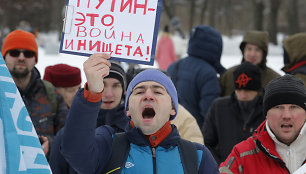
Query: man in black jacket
{"type": "Point", "coordinates": [111, 113]}
{"type": "Point", "coordinates": [232, 119]}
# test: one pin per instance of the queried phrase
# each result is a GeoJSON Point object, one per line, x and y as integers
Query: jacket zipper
{"type": "Point", "coordinates": [280, 161]}
{"type": "Point", "coordinates": [154, 160]}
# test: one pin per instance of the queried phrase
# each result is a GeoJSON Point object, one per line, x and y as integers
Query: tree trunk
{"type": "Point", "coordinates": [191, 14]}
{"type": "Point", "coordinates": [203, 10]}
{"type": "Point", "coordinates": [272, 28]}
{"type": "Point", "coordinates": [167, 9]}
{"type": "Point", "coordinates": [212, 13]}
{"type": "Point", "coordinates": [229, 17]}
{"type": "Point", "coordinates": [171, 17]}
{"type": "Point", "coordinates": [293, 17]}
{"type": "Point", "coordinates": [58, 16]}
{"type": "Point", "coordinates": [258, 7]}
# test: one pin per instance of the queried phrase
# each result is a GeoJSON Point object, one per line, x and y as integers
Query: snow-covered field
{"type": "Point", "coordinates": [48, 53]}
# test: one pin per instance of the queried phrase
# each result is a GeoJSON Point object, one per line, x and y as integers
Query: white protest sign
{"type": "Point", "coordinates": [126, 29]}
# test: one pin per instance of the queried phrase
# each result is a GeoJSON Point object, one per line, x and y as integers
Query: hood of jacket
{"type": "Point", "coordinates": [259, 38]}
{"type": "Point", "coordinates": [206, 43]}
{"type": "Point", "coordinates": [294, 52]}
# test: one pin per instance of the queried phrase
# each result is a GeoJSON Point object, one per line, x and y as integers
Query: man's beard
{"type": "Point", "coordinates": [19, 75]}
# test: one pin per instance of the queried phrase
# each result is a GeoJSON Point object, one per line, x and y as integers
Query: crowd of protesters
{"type": "Point", "coordinates": [191, 116]}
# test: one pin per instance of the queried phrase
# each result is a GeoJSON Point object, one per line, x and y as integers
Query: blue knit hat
{"type": "Point", "coordinates": [156, 76]}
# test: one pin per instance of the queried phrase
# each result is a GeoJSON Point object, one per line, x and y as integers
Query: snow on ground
{"type": "Point", "coordinates": [48, 54]}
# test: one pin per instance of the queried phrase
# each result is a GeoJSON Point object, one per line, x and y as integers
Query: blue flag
{"type": "Point", "coordinates": [20, 149]}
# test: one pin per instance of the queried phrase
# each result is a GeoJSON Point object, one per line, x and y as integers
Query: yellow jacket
{"type": "Point", "coordinates": [187, 126]}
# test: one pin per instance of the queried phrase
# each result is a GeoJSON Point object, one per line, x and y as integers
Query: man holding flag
{"type": "Point", "coordinates": [46, 107]}
{"type": "Point", "coordinates": [20, 149]}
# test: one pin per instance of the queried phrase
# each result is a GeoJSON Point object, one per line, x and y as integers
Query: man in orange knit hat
{"type": "Point", "coordinates": [45, 105]}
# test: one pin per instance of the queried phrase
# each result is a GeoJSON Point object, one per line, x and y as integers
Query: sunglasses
{"type": "Point", "coordinates": [26, 53]}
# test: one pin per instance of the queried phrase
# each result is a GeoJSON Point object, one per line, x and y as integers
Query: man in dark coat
{"type": "Point", "coordinates": [111, 113]}
{"type": "Point", "coordinates": [232, 119]}
{"type": "Point", "coordinates": [254, 48]}
{"type": "Point", "coordinates": [195, 76]}
{"type": "Point", "coordinates": [48, 113]}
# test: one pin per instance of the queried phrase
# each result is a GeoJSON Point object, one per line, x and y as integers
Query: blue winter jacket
{"type": "Point", "coordinates": [195, 76]}
{"type": "Point", "coordinates": [87, 149]}
{"type": "Point", "coordinates": [115, 118]}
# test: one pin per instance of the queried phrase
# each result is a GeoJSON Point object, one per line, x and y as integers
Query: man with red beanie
{"type": "Point", "coordinates": [48, 114]}
{"type": "Point", "coordinates": [67, 79]}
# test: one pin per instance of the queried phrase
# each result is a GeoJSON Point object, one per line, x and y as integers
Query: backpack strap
{"type": "Point", "coordinates": [189, 156]}
{"type": "Point", "coordinates": [119, 154]}
{"type": "Point", "coordinates": [51, 94]}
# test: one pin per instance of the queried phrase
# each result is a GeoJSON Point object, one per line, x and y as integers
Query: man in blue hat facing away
{"type": "Point", "coordinates": [154, 145]}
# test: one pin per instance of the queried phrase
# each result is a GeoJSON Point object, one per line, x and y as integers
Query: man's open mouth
{"type": "Point", "coordinates": [108, 102]}
{"type": "Point", "coordinates": [286, 126]}
{"type": "Point", "coordinates": [148, 113]}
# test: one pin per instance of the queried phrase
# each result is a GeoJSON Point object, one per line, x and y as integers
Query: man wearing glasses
{"type": "Point", "coordinates": [48, 114]}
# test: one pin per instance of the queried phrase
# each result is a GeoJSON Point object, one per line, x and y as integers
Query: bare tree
{"type": "Point", "coordinates": [293, 17]}
{"type": "Point", "coordinates": [258, 7]}
{"type": "Point", "coordinates": [2, 16]}
{"type": "Point", "coordinates": [192, 13]}
{"type": "Point", "coordinates": [170, 15]}
{"type": "Point", "coordinates": [167, 9]}
{"type": "Point", "coordinates": [203, 10]}
{"type": "Point", "coordinates": [272, 27]}
{"type": "Point", "coordinates": [212, 12]}
{"type": "Point", "coordinates": [228, 17]}
{"type": "Point", "coordinates": [57, 16]}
